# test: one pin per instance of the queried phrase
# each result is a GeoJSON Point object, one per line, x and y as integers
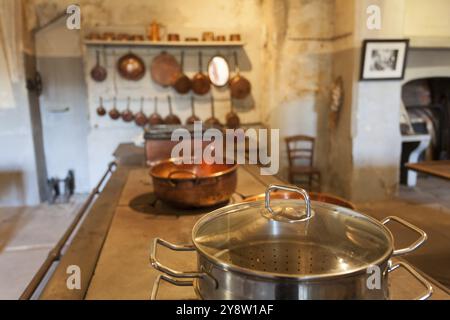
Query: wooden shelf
{"type": "Point", "coordinates": [174, 44]}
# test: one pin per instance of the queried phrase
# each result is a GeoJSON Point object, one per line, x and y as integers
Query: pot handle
{"type": "Point", "coordinates": [414, 245]}
{"type": "Point", "coordinates": [416, 275]}
{"type": "Point", "coordinates": [274, 187]}
{"type": "Point", "coordinates": [182, 171]}
{"type": "Point", "coordinates": [174, 273]}
{"type": "Point", "coordinates": [174, 281]}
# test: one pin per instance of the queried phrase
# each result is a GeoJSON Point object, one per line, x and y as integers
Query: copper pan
{"type": "Point", "coordinates": [131, 67]}
{"type": "Point", "coordinates": [193, 118]}
{"type": "Point", "coordinates": [193, 185]}
{"type": "Point", "coordinates": [182, 84]}
{"type": "Point", "coordinates": [240, 87]}
{"type": "Point", "coordinates": [165, 69]}
{"type": "Point", "coordinates": [315, 196]}
{"type": "Point", "coordinates": [171, 118]}
{"type": "Point", "coordinates": [200, 83]}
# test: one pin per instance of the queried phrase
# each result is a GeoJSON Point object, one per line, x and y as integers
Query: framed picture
{"type": "Point", "coordinates": [384, 59]}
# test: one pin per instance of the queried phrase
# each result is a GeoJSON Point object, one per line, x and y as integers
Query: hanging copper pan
{"type": "Point", "coordinates": [165, 69]}
{"type": "Point", "coordinates": [140, 118]}
{"type": "Point", "coordinates": [171, 118]}
{"type": "Point", "coordinates": [200, 83]}
{"type": "Point", "coordinates": [213, 121]}
{"type": "Point", "coordinates": [232, 118]}
{"type": "Point", "coordinates": [155, 118]}
{"type": "Point", "coordinates": [131, 67]}
{"type": "Point", "coordinates": [182, 84]}
{"type": "Point", "coordinates": [240, 87]}
{"type": "Point", "coordinates": [193, 117]}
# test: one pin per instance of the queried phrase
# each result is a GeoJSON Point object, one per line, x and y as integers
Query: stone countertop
{"type": "Point", "coordinates": [115, 261]}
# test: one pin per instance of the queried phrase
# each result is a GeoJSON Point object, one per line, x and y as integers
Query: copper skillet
{"type": "Point", "coordinates": [240, 87]}
{"type": "Point", "coordinates": [316, 196]}
{"type": "Point", "coordinates": [200, 83]}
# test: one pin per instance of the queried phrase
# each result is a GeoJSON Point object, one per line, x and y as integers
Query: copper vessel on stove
{"type": "Point", "coordinates": [193, 185]}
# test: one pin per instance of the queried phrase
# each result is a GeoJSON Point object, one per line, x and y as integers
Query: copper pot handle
{"type": "Point", "coordinates": [416, 244]}
{"type": "Point", "coordinates": [173, 182]}
{"type": "Point", "coordinates": [416, 275]}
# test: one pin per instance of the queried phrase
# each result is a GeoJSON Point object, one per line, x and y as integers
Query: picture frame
{"type": "Point", "coordinates": [384, 59]}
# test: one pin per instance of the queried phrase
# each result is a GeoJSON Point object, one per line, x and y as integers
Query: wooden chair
{"type": "Point", "coordinates": [300, 151]}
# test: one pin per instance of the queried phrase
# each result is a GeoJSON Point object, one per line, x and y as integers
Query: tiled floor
{"type": "Point", "coordinates": [26, 237]}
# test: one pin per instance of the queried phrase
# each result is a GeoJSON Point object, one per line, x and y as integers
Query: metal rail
{"type": "Point", "coordinates": [55, 254]}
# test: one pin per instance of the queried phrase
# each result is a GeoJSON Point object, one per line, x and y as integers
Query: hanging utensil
{"type": "Point", "coordinates": [182, 84]}
{"type": "Point", "coordinates": [232, 119]}
{"type": "Point", "coordinates": [165, 69]}
{"type": "Point", "coordinates": [98, 73]}
{"type": "Point", "coordinates": [101, 111]}
{"type": "Point", "coordinates": [114, 113]}
{"type": "Point", "coordinates": [155, 118]}
{"type": "Point", "coordinates": [200, 83]}
{"type": "Point", "coordinates": [131, 67]}
{"type": "Point", "coordinates": [193, 117]}
{"type": "Point", "coordinates": [218, 71]}
{"type": "Point", "coordinates": [213, 121]}
{"type": "Point", "coordinates": [171, 118]}
{"type": "Point", "coordinates": [128, 115]}
{"type": "Point", "coordinates": [140, 118]}
{"type": "Point", "coordinates": [240, 87]}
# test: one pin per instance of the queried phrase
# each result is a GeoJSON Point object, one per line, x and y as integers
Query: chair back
{"type": "Point", "coordinates": [300, 150]}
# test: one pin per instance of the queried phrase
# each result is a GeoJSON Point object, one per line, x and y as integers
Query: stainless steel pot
{"type": "Point", "coordinates": [290, 249]}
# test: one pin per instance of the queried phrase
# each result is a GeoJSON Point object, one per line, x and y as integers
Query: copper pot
{"type": "Point", "coordinates": [131, 67]}
{"type": "Point", "coordinates": [193, 185]}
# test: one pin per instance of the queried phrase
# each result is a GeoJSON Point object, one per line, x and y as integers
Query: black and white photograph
{"type": "Point", "coordinates": [384, 59]}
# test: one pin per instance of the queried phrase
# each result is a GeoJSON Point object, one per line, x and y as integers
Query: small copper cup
{"type": "Point", "coordinates": [208, 36]}
{"type": "Point", "coordinates": [221, 38]}
{"type": "Point", "coordinates": [235, 37]}
{"type": "Point", "coordinates": [173, 37]}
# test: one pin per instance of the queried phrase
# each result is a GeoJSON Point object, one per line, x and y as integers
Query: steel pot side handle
{"type": "Point", "coordinates": [171, 272]}
{"type": "Point", "coordinates": [416, 275]}
{"type": "Point", "coordinates": [416, 244]}
{"type": "Point", "coordinates": [274, 187]}
{"type": "Point", "coordinates": [174, 281]}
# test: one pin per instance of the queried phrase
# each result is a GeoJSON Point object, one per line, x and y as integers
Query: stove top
{"type": "Point", "coordinates": [149, 204]}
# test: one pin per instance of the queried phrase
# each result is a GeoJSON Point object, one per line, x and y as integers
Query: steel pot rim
{"type": "Point", "coordinates": [279, 276]}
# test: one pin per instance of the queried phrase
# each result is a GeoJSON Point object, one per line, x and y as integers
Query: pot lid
{"type": "Point", "coordinates": [292, 238]}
